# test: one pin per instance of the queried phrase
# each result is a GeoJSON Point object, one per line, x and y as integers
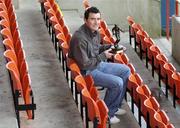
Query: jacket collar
{"type": "Point", "coordinates": [89, 32]}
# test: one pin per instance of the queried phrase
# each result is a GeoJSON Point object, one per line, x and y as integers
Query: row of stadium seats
{"type": "Point", "coordinates": [16, 61]}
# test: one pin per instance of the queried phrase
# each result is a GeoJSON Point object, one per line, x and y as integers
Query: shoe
{"type": "Point", "coordinates": [114, 120]}
{"type": "Point", "coordinates": [120, 111]}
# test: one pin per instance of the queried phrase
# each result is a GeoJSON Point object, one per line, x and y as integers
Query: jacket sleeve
{"type": "Point", "coordinates": [104, 47]}
{"type": "Point", "coordinates": [80, 54]}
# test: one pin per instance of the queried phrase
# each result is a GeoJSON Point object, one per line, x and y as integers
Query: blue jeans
{"type": "Point", "coordinates": [112, 76]}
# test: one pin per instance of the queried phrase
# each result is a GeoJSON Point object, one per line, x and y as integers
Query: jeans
{"type": "Point", "coordinates": [112, 76]}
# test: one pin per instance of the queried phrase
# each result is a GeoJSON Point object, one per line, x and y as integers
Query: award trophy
{"type": "Point", "coordinates": [117, 48]}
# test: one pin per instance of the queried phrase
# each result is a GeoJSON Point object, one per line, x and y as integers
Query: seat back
{"type": "Point", "coordinates": [80, 83]}
{"type": "Point", "coordinates": [27, 93]}
{"type": "Point", "coordinates": [176, 79]}
{"type": "Point", "coordinates": [150, 107]}
{"type": "Point", "coordinates": [11, 56]}
{"type": "Point", "coordinates": [15, 77]}
{"type": "Point", "coordinates": [92, 108]}
{"type": "Point", "coordinates": [103, 113]}
{"type": "Point", "coordinates": [161, 119]}
{"type": "Point", "coordinates": [8, 44]}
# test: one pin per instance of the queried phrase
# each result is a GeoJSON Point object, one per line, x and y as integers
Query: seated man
{"type": "Point", "coordinates": [91, 56]}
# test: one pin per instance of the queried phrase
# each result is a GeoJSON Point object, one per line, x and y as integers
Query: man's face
{"type": "Point", "coordinates": [93, 21]}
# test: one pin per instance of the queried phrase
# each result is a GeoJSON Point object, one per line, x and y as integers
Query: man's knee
{"type": "Point", "coordinates": [128, 71]}
{"type": "Point", "coordinates": [117, 84]}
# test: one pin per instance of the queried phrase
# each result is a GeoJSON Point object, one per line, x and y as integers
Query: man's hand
{"type": "Point", "coordinates": [108, 54]}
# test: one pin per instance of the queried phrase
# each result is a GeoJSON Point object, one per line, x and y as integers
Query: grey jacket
{"type": "Point", "coordinates": [85, 48]}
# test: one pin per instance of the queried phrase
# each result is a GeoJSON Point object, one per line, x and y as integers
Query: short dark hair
{"type": "Point", "coordinates": [90, 10]}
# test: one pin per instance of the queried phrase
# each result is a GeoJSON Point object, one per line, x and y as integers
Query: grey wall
{"type": "Point", "coordinates": [145, 12]}
{"type": "Point", "coordinates": [176, 38]}
{"type": "Point", "coordinates": [16, 4]}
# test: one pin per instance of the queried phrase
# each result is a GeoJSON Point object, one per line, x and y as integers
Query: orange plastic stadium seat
{"type": "Point", "coordinates": [65, 49]}
{"type": "Point", "coordinates": [148, 42]}
{"type": "Point", "coordinates": [4, 15]}
{"type": "Point", "coordinates": [6, 33]}
{"type": "Point", "coordinates": [136, 28]}
{"type": "Point", "coordinates": [125, 58]}
{"type": "Point", "coordinates": [53, 21]}
{"type": "Point", "coordinates": [8, 44]}
{"type": "Point", "coordinates": [28, 95]}
{"type": "Point", "coordinates": [58, 29]}
{"type": "Point", "coordinates": [55, 7]}
{"type": "Point", "coordinates": [134, 81]}
{"type": "Point", "coordinates": [23, 70]}
{"type": "Point", "coordinates": [61, 37]}
{"type": "Point", "coordinates": [161, 119]}
{"type": "Point", "coordinates": [11, 56]}
{"type": "Point", "coordinates": [89, 81]}
{"type": "Point", "coordinates": [47, 6]}
{"type": "Point", "coordinates": [170, 126]}
{"type": "Point", "coordinates": [108, 33]}
{"type": "Point", "coordinates": [59, 14]}
{"type": "Point", "coordinates": [17, 41]}
{"type": "Point", "coordinates": [3, 7]}
{"type": "Point", "coordinates": [21, 56]}
{"type": "Point", "coordinates": [51, 13]}
{"type": "Point", "coordinates": [176, 92]}
{"type": "Point", "coordinates": [15, 77]}
{"type": "Point", "coordinates": [91, 109]}
{"type": "Point", "coordinates": [14, 29]}
{"type": "Point", "coordinates": [143, 93]}
{"type": "Point", "coordinates": [121, 58]}
{"type": "Point", "coordinates": [131, 32]}
{"type": "Point", "coordinates": [7, 2]}
{"type": "Point", "coordinates": [68, 38]}
{"type": "Point", "coordinates": [153, 52]}
{"type": "Point", "coordinates": [142, 34]}
{"type": "Point", "coordinates": [4, 23]}
{"type": "Point", "coordinates": [106, 40]}
{"type": "Point", "coordinates": [169, 70]}
{"type": "Point", "coordinates": [112, 39]}
{"type": "Point", "coordinates": [52, 2]}
{"type": "Point", "coordinates": [10, 9]}
{"type": "Point", "coordinates": [94, 93]}
{"type": "Point", "coordinates": [159, 62]}
{"type": "Point", "coordinates": [133, 70]}
{"type": "Point", "coordinates": [66, 31]}
{"type": "Point", "coordinates": [103, 25]}
{"type": "Point", "coordinates": [71, 64]}
{"type": "Point", "coordinates": [13, 18]}
{"type": "Point", "coordinates": [103, 114]}
{"type": "Point", "coordinates": [61, 21]}
{"type": "Point", "coordinates": [102, 32]}
{"type": "Point", "coordinates": [86, 4]}
{"type": "Point", "coordinates": [73, 67]}
{"type": "Point", "coordinates": [80, 84]}
{"type": "Point", "coordinates": [148, 110]}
